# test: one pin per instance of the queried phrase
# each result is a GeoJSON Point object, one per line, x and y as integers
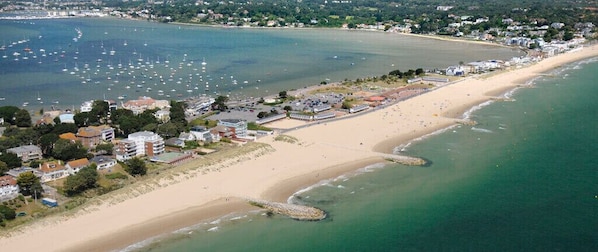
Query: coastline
{"type": "Point", "coordinates": [323, 149]}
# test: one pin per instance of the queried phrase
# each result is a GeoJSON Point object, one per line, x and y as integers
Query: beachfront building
{"type": "Point", "coordinates": [144, 143]}
{"type": "Point", "coordinates": [27, 153]}
{"type": "Point", "coordinates": [125, 150]}
{"type": "Point", "coordinates": [455, 71]}
{"type": "Point", "coordinates": [8, 188]}
{"type": "Point", "coordinates": [323, 116]}
{"type": "Point", "coordinates": [358, 108]}
{"type": "Point", "coordinates": [93, 135]}
{"type": "Point", "coordinates": [239, 127]}
{"type": "Point", "coordinates": [103, 162]}
{"type": "Point", "coordinates": [144, 103]}
{"type": "Point", "coordinates": [75, 166]}
{"type": "Point", "coordinates": [202, 133]}
{"type": "Point", "coordinates": [52, 170]}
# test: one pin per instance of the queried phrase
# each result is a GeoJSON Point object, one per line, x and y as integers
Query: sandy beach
{"type": "Point", "coordinates": [322, 151]}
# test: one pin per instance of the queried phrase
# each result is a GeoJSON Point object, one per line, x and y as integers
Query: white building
{"type": "Point", "coordinates": [86, 106]}
{"type": "Point", "coordinates": [144, 143]}
{"type": "Point", "coordinates": [26, 153]}
{"type": "Point", "coordinates": [239, 126]}
{"type": "Point", "coordinates": [201, 133]}
{"type": "Point", "coordinates": [8, 188]}
{"type": "Point", "coordinates": [103, 162]}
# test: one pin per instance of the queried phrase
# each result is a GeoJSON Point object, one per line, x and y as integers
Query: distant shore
{"type": "Point", "coordinates": [322, 151]}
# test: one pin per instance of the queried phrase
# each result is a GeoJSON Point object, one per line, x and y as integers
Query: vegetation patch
{"type": "Point", "coordinates": [286, 138]}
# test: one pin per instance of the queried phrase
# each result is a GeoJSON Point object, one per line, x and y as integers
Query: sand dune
{"type": "Point", "coordinates": [321, 151]}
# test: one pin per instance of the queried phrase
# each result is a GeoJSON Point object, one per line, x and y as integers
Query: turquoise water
{"type": "Point", "coordinates": [524, 179]}
{"type": "Point", "coordinates": [74, 60]}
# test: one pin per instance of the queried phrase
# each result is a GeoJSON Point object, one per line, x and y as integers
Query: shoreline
{"type": "Point", "coordinates": [323, 152]}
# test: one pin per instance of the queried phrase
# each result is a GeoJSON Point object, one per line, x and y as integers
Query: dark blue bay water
{"type": "Point", "coordinates": [67, 61]}
{"type": "Point", "coordinates": [524, 179]}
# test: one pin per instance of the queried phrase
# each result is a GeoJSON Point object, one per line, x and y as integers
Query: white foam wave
{"type": "Point", "coordinates": [329, 182]}
{"type": "Point", "coordinates": [213, 229]}
{"type": "Point", "coordinates": [404, 147]}
{"type": "Point", "coordinates": [482, 130]}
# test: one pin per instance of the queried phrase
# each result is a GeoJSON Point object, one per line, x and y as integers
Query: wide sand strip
{"type": "Point", "coordinates": [322, 151]}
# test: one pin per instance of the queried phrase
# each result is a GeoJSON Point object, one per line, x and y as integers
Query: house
{"type": "Point", "coordinates": [162, 115]}
{"type": "Point", "coordinates": [144, 103]}
{"type": "Point", "coordinates": [27, 152]}
{"type": "Point", "coordinates": [239, 126]}
{"type": "Point", "coordinates": [223, 131]}
{"type": "Point", "coordinates": [15, 172]}
{"type": "Point", "coordinates": [52, 170]}
{"type": "Point", "coordinates": [103, 162]}
{"type": "Point", "coordinates": [93, 135]}
{"type": "Point", "coordinates": [68, 136]}
{"type": "Point", "coordinates": [455, 71]}
{"type": "Point", "coordinates": [203, 134]}
{"type": "Point", "coordinates": [8, 188]}
{"type": "Point", "coordinates": [174, 141]}
{"type": "Point", "coordinates": [76, 165]}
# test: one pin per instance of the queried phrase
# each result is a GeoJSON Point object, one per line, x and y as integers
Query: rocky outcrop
{"type": "Point", "coordinates": [296, 212]}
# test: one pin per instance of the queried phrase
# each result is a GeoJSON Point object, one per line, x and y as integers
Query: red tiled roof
{"type": "Point", "coordinates": [7, 180]}
{"type": "Point", "coordinates": [51, 166]}
{"type": "Point", "coordinates": [68, 136]}
{"type": "Point", "coordinates": [78, 163]}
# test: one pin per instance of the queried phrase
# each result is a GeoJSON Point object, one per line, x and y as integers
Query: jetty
{"type": "Point", "coordinates": [297, 212]}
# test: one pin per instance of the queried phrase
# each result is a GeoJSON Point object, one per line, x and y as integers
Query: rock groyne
{"type": "Point", "coordinates": [296, 212]}
{"type": "Point", "coordinates": [406, 160]}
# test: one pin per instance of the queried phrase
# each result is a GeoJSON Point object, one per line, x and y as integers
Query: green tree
{"type": "Point", "coordinates": [282, 94]}
{"type": "Point", "coordinates": [46, 143]}
{"type": "Point", "coordinates": [220, 103]}
{"type": "Point", "coordinates": [177, 112]}
{"type": "Point", "coordinates": [66, 150]}
{"type": "Point", "coordinates": [287, 108]}
{"type": "Point", "coordinates": [86, 178]}
{"type": "Point", "coordinates": [105, 148]}
{"type": "Point", "coordinates": [8, 113]}
{"type": "Point", "coordinates": [136, 166]}
{"type": "Point", "coordinates": [23, 118]}
{"type": "Point", "coordinates": [11, 160]}
{"type": "Point", "coordinates": [30, 184]}
{"type": "Point", "coordinates": [3, 168]}
{"type": "Point", "coordinates": [7, 213]}
{"type": "Point", "coordinates": [419, 71]}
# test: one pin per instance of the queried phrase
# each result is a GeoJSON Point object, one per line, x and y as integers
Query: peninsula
{"type": "Point", "coordinates": [272, 172]}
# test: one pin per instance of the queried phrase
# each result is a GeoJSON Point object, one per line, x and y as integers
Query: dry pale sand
{"type": "Point", "coordinates": [323, 150]}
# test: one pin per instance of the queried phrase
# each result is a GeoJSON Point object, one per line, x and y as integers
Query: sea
{"type": "Point", "coordinates": [523, 179]}
{"type": "Point", "coordinates": [60, 63]}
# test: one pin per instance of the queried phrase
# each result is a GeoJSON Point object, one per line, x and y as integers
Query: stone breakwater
{"type": "Point", "coordinates": [405, 160]}
{"type": "Point", "coordinates": [296, 212]}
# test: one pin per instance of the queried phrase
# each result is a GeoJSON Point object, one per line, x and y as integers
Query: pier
{"type": "Point", "coordinates": [297, 212]}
